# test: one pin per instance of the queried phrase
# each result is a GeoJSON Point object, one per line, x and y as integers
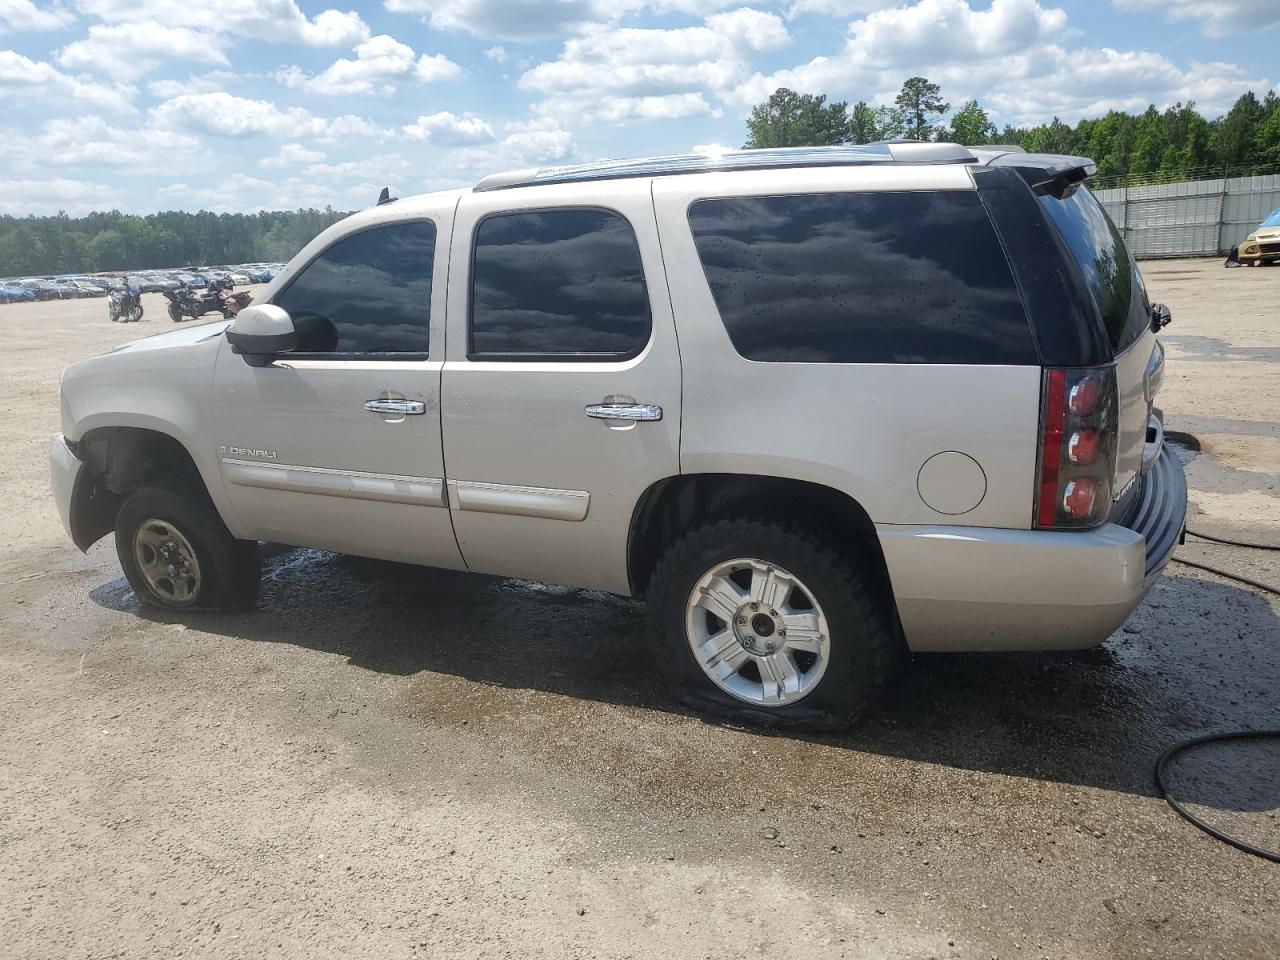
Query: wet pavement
{"type": "Point", "coordinates": [389, 761]}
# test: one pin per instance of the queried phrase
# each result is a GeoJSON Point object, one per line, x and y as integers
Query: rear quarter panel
{"type": "Point", "coordinates": [864, 429]}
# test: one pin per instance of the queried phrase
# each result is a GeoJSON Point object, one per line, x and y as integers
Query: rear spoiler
{"type": "Point", "coordinates": [1051, 174]}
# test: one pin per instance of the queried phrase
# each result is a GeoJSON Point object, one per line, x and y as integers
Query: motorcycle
{"type": "Point", "coordinates": [219, 297]}
{"type": "Point", "coordinates": [233, 303]}
{"type": "Point", "coordinates": [124, 306]}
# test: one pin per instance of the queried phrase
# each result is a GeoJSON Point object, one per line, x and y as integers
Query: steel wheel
{"type": "Point", "coordinates": [757, 632]}
{"type": "Point", "coordinates": [167, 562]}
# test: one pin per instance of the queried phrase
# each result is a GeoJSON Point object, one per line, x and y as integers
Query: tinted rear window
{"type": "Point", "coordinates": [557, 284]}
{"type": "Point", "coordinates": [1109, 272]}
{"type": "Point", "coordinates": [862, 278]}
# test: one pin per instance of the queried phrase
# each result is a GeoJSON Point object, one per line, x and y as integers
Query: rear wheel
{"type": "Point", "coordinates": [178, 555]}
{"type": "Point", "coordinates": [772, 624]}
{"type": "Point", "coordinates": [175, 313]}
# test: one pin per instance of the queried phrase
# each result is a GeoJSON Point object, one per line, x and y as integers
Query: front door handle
{"type": "Point", "coordinates": [624, 411]}
{"type": "Point", "coordinates": [397, 408]}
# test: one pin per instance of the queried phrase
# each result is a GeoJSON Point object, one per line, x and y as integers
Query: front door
{"type": "Point", "coordinates": [561, 387]}
{"type": "Point", "coordinates": [337, 445]}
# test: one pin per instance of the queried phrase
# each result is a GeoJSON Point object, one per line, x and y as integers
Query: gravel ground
{"type": "Point", "coordinates": [387, 762]}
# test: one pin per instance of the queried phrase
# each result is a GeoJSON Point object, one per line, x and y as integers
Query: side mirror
{"type": "Point", "coordinates": [260, 331]}
{"type": "Point", "coordinates": [1160, 317]}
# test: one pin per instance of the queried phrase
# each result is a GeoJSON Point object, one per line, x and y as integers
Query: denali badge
{"type": "Point", "coordinates": [246, 452]}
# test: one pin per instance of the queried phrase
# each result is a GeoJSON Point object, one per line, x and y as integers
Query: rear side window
{"type": "Point", "coordinates": [1109, 272]}
{"type": "Point", "coordinates": [914, 277]}
{"type": "Point", "coordinates": [557, 284]}
{"type": "Point", "coordinates": [369, 293]}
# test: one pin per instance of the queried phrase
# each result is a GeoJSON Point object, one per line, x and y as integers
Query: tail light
{"type": "Point", "coordinates": [1077, 446]}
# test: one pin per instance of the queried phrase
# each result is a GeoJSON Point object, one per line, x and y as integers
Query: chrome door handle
{"type": "Point", "coordinates": [624, 411]}
{"type": "Point", "coordinates": [398, 408]}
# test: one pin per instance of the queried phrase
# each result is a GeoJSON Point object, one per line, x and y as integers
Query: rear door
{"type": "Point", "coordinates": [561, 389]}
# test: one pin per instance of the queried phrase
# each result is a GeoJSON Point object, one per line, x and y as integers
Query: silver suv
{"type": "Point", "coordinates": [820, 406]}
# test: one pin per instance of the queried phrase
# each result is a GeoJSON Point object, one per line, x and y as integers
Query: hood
{"type": "Point", "coordinates": [181, 337]}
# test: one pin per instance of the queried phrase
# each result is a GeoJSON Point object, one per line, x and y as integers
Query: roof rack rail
{"type": "Point", "coordinates": [891, 151]}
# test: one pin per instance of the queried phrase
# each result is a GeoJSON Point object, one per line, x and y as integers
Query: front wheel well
{"type": "Point", "coordinates": [674, 505]}
{"type": "Point", "coordinates": [117, 461]}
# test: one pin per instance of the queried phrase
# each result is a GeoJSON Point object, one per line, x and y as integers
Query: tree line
{"type": "Point", "coordinates": [36, 246]}
{"type": "Point", "coordinates": [1175, 143]}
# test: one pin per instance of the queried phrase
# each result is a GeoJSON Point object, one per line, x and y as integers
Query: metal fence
{"type": "Point", "coordinates": [1196, 218]}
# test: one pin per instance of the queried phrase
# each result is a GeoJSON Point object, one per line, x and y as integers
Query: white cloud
{"type": "Point", "coordinates": [33, 81]}
{"type": "Point", "coordinates": [291, 155]}
{"type": "Point", "coordinates": [1218, 17]}
{"type": "Point", "coordinates": [225, 115]}
{"type": "Point", "coordinates": [1010, 56]}
{"type": "Point", "coordinates": [279, 21]}
{"type": "Point", "coordinates": [380, 64]}
{"type": "Point", "coordinates": [838, 8]}
{"type": "Point", "coordinates": [137, 35]}
{"type": "Point", "coordinates": [496, 54]}
{"type": "Point", "coordinates": [125, 52]}
{"type": "Point", "coordinates": [198, 83]}
{"type": "Point", "coordinates": [239, 193]}
{"type": "Point", "coordinates": [510, 20]}
{"type": "Point", "coordinates": [16, 15]}
{"type": "Point", "coordinates": [540, 19]}
{"type": "Point", "coordinates": [93, 143]}
{"type": "Point", "coordinates": [386, 167]}
{"type": "Point", "coordinates": [20, 197]}
{"type": "Point", "coordinates": [525, 144]}
{"type": "Point", "coordinates": [448, 129]}
{"type": "Point", "coordinates": [633, 73]}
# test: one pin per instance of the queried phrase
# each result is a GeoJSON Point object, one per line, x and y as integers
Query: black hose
{"type": "Point", "coordinates": [1230, 576]}
{"type": "Point", "coordinates": [1177, 748]}
{"type": "Point", "coordinates": [1213, 831]}
{"type": "Point", "coordinates": [1233, 543]}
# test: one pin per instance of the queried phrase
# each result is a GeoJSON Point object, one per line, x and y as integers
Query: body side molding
{"type": "Point", "coordinates": [353, 484]}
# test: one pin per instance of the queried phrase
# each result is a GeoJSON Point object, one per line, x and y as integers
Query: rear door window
{"type": "Point", "coordinates": [893, 277]}
{"type": "Point", "coordinates": [564, 284]}
{"type": "Point", "coordinates": [368, 294]}
{"type": "Point", "coordinates": [1104, 261]}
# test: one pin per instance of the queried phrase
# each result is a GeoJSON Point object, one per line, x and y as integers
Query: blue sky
{"type": "Point", "coordinates": [141, 105]}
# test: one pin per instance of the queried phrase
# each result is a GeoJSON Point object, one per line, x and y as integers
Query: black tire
{"type": "Point", "coordinates": [865, 638]}
{"type": "Point", "coordinates": [136, 313]}
{"type": "Point", "coordinates": [230, 569]}
{"type": "Point", "coordinates": [175, 313]}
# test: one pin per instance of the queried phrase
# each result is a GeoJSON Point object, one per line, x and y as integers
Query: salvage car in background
{"type": "Point", "coordinates": [1262, 246]}
{"type": "Point", "coordinates": [12, 293]}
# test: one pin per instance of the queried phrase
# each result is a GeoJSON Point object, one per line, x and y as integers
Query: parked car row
{"type": "Point", "coordinates": [73, 286]}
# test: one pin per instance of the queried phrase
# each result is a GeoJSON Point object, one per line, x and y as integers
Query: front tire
{"type": "Point", "coordinates": [177, 554]}
{"type": "Point", "coordinates": [772, 624]}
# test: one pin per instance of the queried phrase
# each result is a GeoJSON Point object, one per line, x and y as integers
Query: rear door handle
{"type": "Point", "coordinates": [397, 408]}
{"type": "Point", "coordinates": [624, 411]}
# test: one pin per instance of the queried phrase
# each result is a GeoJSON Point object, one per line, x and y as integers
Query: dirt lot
{"type": "Point", "coordinates": [392, 762]}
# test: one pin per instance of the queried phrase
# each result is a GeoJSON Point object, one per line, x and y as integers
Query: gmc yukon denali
{"type": "Point", "coordinates": [819, 406]}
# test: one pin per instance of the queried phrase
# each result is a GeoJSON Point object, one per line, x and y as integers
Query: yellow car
{"type": "Point", "coordinates": [1261, 246]}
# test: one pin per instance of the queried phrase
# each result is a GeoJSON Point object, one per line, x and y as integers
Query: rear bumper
{"type": "Point", "coordinates": [1159, 513]}
{"type": "Point", "coordinates": [978, 588]}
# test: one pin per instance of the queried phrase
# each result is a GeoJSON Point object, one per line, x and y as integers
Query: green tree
{"type": "Point", "coordinates": [1236, 134]}
{"type": "Point", "coordinates": [917, 102]}
{"type": "Point", "coordinates": [970, 125]}
{"type": "Point", "coordinates": [868, 124]}
{"type": "Point", "coordinates": [790, 119]}
{"type": "Point", "coordinates": [1053, 137]}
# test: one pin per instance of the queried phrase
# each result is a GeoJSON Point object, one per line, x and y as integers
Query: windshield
{"type": "Point", "coordinates": [1273, 219]}
{"type": "Point", "coordinates": [1105, 263]}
